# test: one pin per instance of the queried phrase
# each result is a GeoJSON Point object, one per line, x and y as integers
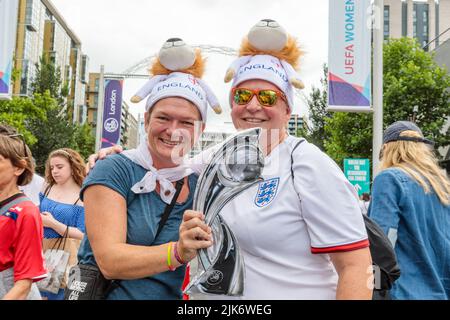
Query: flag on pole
{"type": "Point", "coordinates": [349, 62]}
{"type": "Point", "coordinates": [112, 112]}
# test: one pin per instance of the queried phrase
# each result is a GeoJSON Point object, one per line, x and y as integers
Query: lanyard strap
{"type": "Point", "coordinates": [170, 206]}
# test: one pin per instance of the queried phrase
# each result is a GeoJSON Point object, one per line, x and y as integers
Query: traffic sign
{"type": "Point", "coordinates": [357, 172]}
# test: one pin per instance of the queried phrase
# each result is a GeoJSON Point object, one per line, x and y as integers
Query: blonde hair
{"type": "Point", "coordinates": [76, 163]}
{"type": "Point", "coordinates": [418, 161]}
{"type": "Point", "coordinates": [13, 147]}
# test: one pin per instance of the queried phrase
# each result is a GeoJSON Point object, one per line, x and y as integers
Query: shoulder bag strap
{"type": "Point", "coordinates": [170, 206]}
{"type": "Point", "coordinates": [60, 243]}
{"type": "Point", "coordinates": [12, 203]}
{"type": "Point", "coordinates": [116, 283]}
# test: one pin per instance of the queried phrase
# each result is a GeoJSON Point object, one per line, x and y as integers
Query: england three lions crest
{"type": "Point", "coordinates": [267, 191]}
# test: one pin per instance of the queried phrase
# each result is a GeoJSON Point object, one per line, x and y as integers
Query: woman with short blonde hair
{"type": "Point", "coordinates": [411, 203]}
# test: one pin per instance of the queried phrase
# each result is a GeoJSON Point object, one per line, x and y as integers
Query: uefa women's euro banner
{"type": "Point", "coordinates": [8, 25]}
{"type": "Point", "coordinates": [112, 112]}
{"type": "Point", "coordinates": [349, 55]}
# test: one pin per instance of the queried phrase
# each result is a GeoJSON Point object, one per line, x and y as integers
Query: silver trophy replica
{"type": "Point", "coordinates": [236, 166]}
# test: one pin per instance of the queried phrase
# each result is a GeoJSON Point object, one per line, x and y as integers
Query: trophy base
{"type": "Point", "coordinates": [226, 275]}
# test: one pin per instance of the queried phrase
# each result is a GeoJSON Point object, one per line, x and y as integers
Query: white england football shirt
{"type": "Point", "coordinates": [285, 232]}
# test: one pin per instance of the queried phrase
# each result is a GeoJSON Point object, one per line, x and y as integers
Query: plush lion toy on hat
{"type": "Point", "coordinates": [267, 37]}
{"type": "Point", "coordinates": [176, 56]}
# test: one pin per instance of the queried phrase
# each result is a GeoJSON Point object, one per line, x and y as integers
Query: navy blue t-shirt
{"type": "Point", "coordinates": [144, 212]}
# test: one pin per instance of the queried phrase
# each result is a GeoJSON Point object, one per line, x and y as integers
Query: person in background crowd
{"type": "Point", "coordinates": [21, 231]}
{"type": "Point", "coordinates": [411, 203]}
{"type": "Point", "coordinates": [60, 204]}
{"type": "Point", "coordinates": [364, 202]}
{"type": "Point", "coordinates": [33, 188]}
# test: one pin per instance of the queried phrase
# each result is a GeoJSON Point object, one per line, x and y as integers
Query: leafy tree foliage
{"type": "Point", "coordinates": [410, 78]}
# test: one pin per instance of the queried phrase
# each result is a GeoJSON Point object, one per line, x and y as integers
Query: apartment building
{"type": "Point", "coordinates": [42, 31]}
{"type": "Point", "coordinates": [424, 20]}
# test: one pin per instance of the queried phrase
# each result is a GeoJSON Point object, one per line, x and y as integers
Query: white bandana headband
{"type": "Point", "coordinates": [179, 84]}
{"type": "Point", "coordinates": [166, 176]}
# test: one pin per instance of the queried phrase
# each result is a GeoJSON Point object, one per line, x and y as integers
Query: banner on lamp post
{"type": "Point", "coordinates": [8, 27]}
{"type": "Point", "coordinates": [112, 112]}
{"type": "Point", "coordinates": [349, 56]}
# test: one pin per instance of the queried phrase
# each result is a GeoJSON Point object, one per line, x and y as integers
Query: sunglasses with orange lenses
{"type": "Point", "coordinates": [266, 97]}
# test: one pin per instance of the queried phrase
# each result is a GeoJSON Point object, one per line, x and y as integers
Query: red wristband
{"type": "Point", "coordinates": [177, 256]}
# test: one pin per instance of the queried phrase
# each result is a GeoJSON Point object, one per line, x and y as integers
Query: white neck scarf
{"type": "Point", "coordinates": [166, 176]}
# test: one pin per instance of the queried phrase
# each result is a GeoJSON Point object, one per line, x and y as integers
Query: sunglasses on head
{"type": "Point", "coordinates": [266, 97]}
{"type": "Point", "coordinates": [20, 136]}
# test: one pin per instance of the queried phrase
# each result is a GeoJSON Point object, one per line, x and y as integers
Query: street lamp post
{"type": "Point", "coordinates": [101, 96]}
{"type": "Point", "coordinates": [377, 84]}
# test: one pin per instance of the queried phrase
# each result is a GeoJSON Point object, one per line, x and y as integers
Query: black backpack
{"type": "Point", "coordinates": [386, 269]}
{"type": "Point", "coordinates": [384, 260]}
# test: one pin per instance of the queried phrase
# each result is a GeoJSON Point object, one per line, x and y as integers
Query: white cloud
{"type": "Point", "coordinates": [120, 33]}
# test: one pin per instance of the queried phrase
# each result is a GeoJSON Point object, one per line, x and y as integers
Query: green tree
{"type": "Point", "coordinates": [59, 133]}
{"type": "Point", "coordinates": [19, 111]}
{"type": "Point", "coordinates": [349, 136]}
{"type": "Point", "coordinates": [48, 77]}
{"type": "Point", "coordinates": [56, 130]}
{"type": "Point", "coordinates": [317, 103]}
{"type": "Point", "coordinates": [42, 119]}
{"type": "Point", "coordinates": [410, 78]}
{"type": "Point", "coordinates": [84, 141]}
{"type": "Point", "coordinates": [54, 133]}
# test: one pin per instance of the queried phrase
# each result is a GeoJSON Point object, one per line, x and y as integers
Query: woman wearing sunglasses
{"type": "Point", "coordinates": [21, 230]}
{"type": "Point", "coordinates": [301, 233]}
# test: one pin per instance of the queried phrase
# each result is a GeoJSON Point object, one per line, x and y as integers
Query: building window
{"type": "Point", "coordinates": [425, 23]}
{"type": "Point", "coordinates": [386, 23]}
{"type": "Point", "coordinates": [421, 28]}
{"type": "Point", "coordinates": [95, 104]}
{"type": "Point", "coordinates": [404, 19]}
{"type": "Point", "coordinates": [24, 77]}
{"type": "Point", "coordinates": [32, 15]}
